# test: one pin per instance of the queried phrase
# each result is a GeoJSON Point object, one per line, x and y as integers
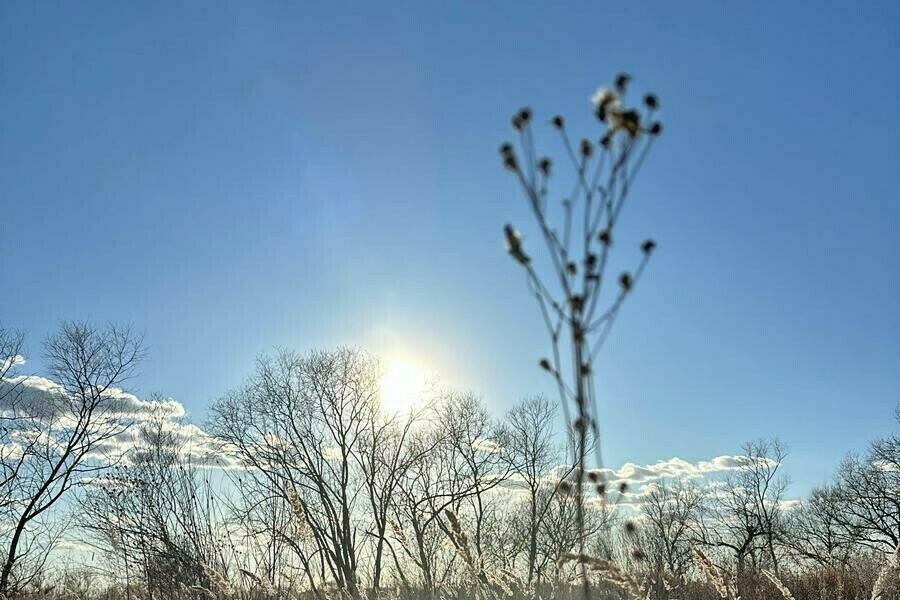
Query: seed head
{"type": "Point", "coordinates": [509, 157]}
{"type": "Point", "coordinates": [514, 245]}
{"type": "Point", "coordinates": [604, 100]}
{"type": "Point", "coordinates": [521, 119]}
{"type": "Point", "coordinates": [655, 128]}
{"type": "Point", "coordinates": [622, 80]}
{"type": "Point", "coordinates": [586, 148]}
{"type": "Point", "coordinates": [558, 122]}
{"type": "Point", "coordinates": [545, 364]}
{"type": "Point", "coordinates": [626, 282]}
{"type": "Point", "coordinates": [648, 246]}
{"type": "Point", "coordinates": [605, 237]}
{"type": "Point", "coordinates": [628, 120]}
{"type": "Point", "coordinates": [576, 302]}
{"type": "Point", "coordinates": [544, 165]}
{"type": "Point", "coordinates": [651, 101]}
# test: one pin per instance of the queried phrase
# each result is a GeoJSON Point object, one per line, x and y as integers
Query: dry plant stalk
{"type": "Point", "coordinates": [608, 572]}
{"type": "Point", "coordinates": [711, 573]}
{"type": "Point", "coordinates": [776, 581]}
{"type": "Point", "coordinates": [569, 296]}
{"type": "Point", "coordinates": [299, 522]}
{"type": "Point", "coordinates": [219, 584]}
{"type": "Point", "coordinates": [486, 586]}
{"type": "Point", "coordinates": [461, 542]}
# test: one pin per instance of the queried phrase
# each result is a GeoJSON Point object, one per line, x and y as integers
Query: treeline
{"type": "Point", "coordinates": [299, 485]}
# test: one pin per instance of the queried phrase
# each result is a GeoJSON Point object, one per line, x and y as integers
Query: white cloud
{"type": "Point", "coordinates": [43, 398]}
{"type": "Point", "coordinates": [632, 474]}
{"type": "Point", "coordinates": [10, 362]}
{"type": "Point", "coordinates": [41, 402]}
{"type": "Point", "coordinates": [640, 480]}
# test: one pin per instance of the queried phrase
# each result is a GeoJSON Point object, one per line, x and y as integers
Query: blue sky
{"type": "Point", "coordinates": [230, 177]}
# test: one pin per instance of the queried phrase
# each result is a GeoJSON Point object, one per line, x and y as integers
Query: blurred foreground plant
{"type": "Point", "coordinates": [577, 306]}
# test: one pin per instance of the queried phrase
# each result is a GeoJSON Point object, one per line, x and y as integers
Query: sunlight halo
{"type": "Point", "coordinates": [402, 386]}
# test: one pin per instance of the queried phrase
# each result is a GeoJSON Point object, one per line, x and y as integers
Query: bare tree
{"type": "Point", "coordinates": [533, 452]}
{"type": "Point", "coordinates": [869, 490]}
{"type": "Point", "coordinates": [61, 429]}
{"type": "Point", "coordinates": [565, 530]}
{"type": "Point", "coordinates": [11, 348]}
{"type": "Point", "coordinates": [300, 423]}
{"type": "Point", "coordinates": [12, 453]}
{"type": "Point", "coordinates": [158, 513]}
{"type": "Point", "coordinates": [476, 458]}
{"type": "Point", "coordinates": [816, 529]}
{"type": "Point", "coordinates": [265, 521]}
{"type": "Point", "coordinates": [386, 454]}
{"type": "Point", "coordinates": [459, 468]}
{"type": "Point", "coordinates": [815, 533]}
{"type": "Point", "coordinates": [425, 491]}
{"type": "Point", "coordinates": [671, 512]}
{"type": "Point", "coordinates": [747, 512]}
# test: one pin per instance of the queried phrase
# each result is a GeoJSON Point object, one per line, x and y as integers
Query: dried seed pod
{"type": "Point", "coordinates": [509, 157]}
{"type": "Point", "coordinates": [586, 148]}
{"type": "Point", "coordinates": [514, 245]}
{"type": "Point", "coordinates": [544, 165]}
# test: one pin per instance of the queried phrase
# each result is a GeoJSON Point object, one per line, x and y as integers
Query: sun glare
{"type": "Point", "coordinates": [402, 386]}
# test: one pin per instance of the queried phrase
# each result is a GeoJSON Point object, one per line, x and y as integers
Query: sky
{"type": "Point", "coordinates": [233, 177]}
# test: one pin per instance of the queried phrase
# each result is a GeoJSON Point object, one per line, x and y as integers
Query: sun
{"type": "Point", "coordinates": [402, 386]}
